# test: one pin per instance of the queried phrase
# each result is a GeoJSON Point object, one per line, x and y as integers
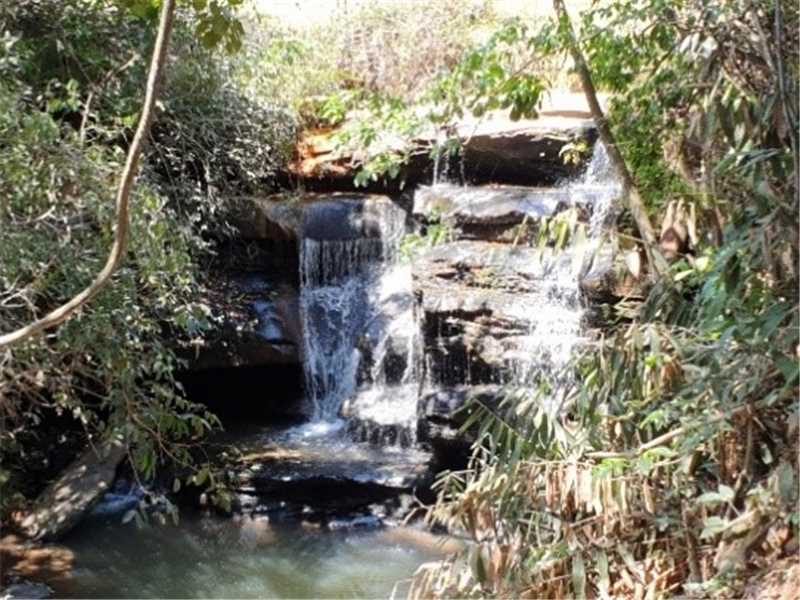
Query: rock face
{"type": "Point", "coordinates": [495, 150]}
{"type": "Point", "coordinates": [490, 214]}
{"type": "Point", "coordinates": [260, 325]}
{"type": "Point", "coordinates": [495, 213]}
{"type": "Point", "coordinates": [62, 505]}
{"type": "Point", "coordinates": [317, 216]}
{"type": "Point", "coordinates": [525, 152]}
{"type": "Point", "coordinates": [475, 297]}
{"type": "Point", "coordinates": [443, 412]}
{"type": "Point", "coordinates": [496, 311]}
{"type": "Point", "coordinates": [250, 364]}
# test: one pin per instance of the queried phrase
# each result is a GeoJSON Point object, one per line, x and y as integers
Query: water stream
{"type": "Point", "coordinates": [212, 557]}
{"type": "Point", "coordinates": [551, 311]}
{"type": "Point", "coordinates": [556, 311]}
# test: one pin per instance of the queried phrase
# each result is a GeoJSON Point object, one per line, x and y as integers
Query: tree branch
{"type": "Point", "coordinates": [117, 253]}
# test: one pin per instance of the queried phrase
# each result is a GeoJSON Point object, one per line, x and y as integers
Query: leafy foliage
{"type": "Point", "coordinates": [381, 133]}
{"type": "Point", "coordinates": [71, 78]}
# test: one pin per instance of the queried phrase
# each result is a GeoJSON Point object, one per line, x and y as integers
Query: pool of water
{"type": "Point", "coordinates": [213, 557]}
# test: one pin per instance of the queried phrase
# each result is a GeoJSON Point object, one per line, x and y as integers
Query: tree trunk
{"type": "Point", "coordinates": [117, 253]}
{"type": "Point", "coordinates": [629, 190]}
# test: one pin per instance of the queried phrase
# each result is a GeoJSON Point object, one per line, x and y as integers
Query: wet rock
{"type": "Point", "coordinates": [27, 590]}
{"type": "Point", "coordinates": [338, 478]}
{"type": "Point", "coordinates": [22, 562]}
{"type": "Point", "coordinates": [121, 498]}
{"type": "Point", "coordinates": [332, 483]}
{"type": "Point", "coordinates": [320, 216]}
{"type": "Point", "coordinates": [475, 298]}
{"type": "Point", "coordinates": [65, 502]}
{"type": "Point", "coordinates": [441, 415]}
{"type": "Point", "coordinates": [487, 268]}
{"type": "Point", "coordinates": [260, 325]}
{"type": "Point", "coordinates": [443, 545]}
{"type": "Point", "coordinates": [357, 522]}
{"type": "Point", "coordinates": [384, 416]}
{"type": "Point", "coordinates": [491, 213]}
{"type": "Point", "coordinates": [250, 364]}
{"type": "Point", "coordinates": [495, 213]}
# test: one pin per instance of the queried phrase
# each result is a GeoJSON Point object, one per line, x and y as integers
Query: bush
{"type": "Point", "coordinates": [71, 82]}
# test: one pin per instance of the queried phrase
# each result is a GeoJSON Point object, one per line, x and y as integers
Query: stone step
{"type": "Point", "coordinates": [496, 149]}
{"type": "Point", "coordinates": [318, 216]}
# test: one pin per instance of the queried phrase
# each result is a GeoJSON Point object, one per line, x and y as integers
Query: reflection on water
{"type": "Point", "coordinates": [207, 557]}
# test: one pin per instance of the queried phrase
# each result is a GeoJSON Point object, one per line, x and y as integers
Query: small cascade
{"type": "Point", "coordinates": [446, 151]}
{"type": "Point", "coordinates": [532, 301]}
{"type": "Point", "coordinates": [360, 345]}
{"type": "Point", "coordinates": [556, 310]}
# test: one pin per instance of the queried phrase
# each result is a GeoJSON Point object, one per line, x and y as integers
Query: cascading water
{"type": "Point", "coordinates": [356, 310]}
{"type": "Point", "coordinates": [544, 321]}
{"type": "Point", "coordinates": [361, 343]}
{"type": "Point", "coordinates": [556, 310]}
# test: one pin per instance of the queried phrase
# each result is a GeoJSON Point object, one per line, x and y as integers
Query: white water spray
{"type": "Point", "coordinates": [356, 307]}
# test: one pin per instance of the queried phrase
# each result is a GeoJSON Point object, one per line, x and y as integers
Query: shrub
{"type": "Point", "coordinates": [71, 81]}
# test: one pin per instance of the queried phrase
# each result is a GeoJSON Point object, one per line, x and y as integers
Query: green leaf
{"type": "Point", "coordinates": [713, 526]}
{"type": "Point", "coordinates": [477, 563]}
{"type": "Point", "coordinates": [726, 493]}
{"type": "Point", "coordinates": [789, 368]}
{"type": "Point", "coordinates": [604, 579]}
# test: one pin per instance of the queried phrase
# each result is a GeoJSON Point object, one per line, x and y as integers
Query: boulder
{"type": "Point", "coordinates": [334, 479]}
{"type": "Point", "coordinates": [524, 152]}
{"type": "Point", "coordinates": [23, 562]}
{"type": "Point", "coordinates": [496, 149]}
{"type": "Point", "coordinates": [317, 216]}
{"type": "Point", "coordinates": [64, 503]}
{"type": "Point", "coordinates": [27, 590]}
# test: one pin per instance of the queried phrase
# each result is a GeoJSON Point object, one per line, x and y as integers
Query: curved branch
{"type": "Point", "coordinates": [117, 253]}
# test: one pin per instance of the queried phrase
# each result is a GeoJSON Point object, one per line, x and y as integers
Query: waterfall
{"type": "Point", "coordinates": [356, 310]}
{"type": "Point", "coordinates": [534, 311]}
{"type": "Point", "coordinates": [556, 312]}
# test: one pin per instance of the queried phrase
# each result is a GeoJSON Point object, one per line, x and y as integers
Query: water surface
{"type": "Point", "coordinates": [210, 557]}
